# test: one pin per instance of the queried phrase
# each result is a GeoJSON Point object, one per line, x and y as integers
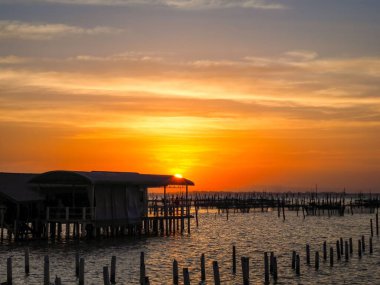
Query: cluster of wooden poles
{"type": "Point", "coordinates": [344, 250]}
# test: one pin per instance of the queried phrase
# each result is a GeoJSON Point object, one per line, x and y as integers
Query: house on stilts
{"type": "Point", "coordinates": [69, 204]}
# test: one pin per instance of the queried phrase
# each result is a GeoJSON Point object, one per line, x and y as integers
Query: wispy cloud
{"type": "Point", "coordinates": [45, 31]}
{"type": "Point", "coordinates": [179, 4]}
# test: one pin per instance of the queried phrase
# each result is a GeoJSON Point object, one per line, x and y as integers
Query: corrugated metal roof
{"type": "Point", "coordinates": [101, 177]}
{"type": "Point", "coordinates": [15, 187]}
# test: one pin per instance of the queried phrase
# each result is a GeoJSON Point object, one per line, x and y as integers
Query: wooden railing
{"type": "Point", "coordinates": [70, 213]}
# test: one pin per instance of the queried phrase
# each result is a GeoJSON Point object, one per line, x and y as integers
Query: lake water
{"type": "Point", "coordinates": [252, 233]}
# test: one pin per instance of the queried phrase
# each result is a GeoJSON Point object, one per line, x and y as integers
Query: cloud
{"type": "Point", "coordinates": [178, 4]}
{"type": "Point", "coordinates": [46, 31]}
{"type": "Point", "coordinates": [11, 59]}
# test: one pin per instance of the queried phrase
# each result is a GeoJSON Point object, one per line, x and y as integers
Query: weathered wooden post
{"type": "Point", "coordinates": [142, 267]}
{"type": "Point", "coordinates": [351, 247]}
{"type": "Point", "coordinates": [175, 272]}
{"type": "Point", "coordinates": [266, 268]}
{"type": "Point", "coordinates": [298, 265]}
{"type": "Point", "coordinates": [234, 260]}
{"type": "Point", "coordinates": [377, 224]}
{"type": "Point", "coordinates": [324, 250]}
{"type": "Point", "coordinates": [271, 262]}
{"type": "Point", "coordinates": [9, 271]}
{"type": "Point", "coordinates": [370, 245]}
{"type": "Point", "coordinates": [371, 228]}
{"type": "Point", "coordinates": [203, 268]}
{"type": "Point", "coordinates": [77, 264]}
{"type": "Point", "coordinates": [341, 246]}
{"type": "Point", "coordinates": [81, 271]}
{"type": "Point", "coordinates": [186, 276]}
{"type": "Point", "coordinates": [113, 270]}
{"type": "Point", "coordinates": [46, 270]}
{"type": "Point", "coordinates": [316, 260]}
{"type": "Point", "coordinates": [26, 264]}
{"type": "Point", "coordinates": [337, 250]}
{"type": "Point", "coordinates": [331, 256]}
{"type": "Point", "coordinates": [293, 260]}
{"type": "Point", "coordinates": [245, 270]}
{"type": "Point", "coordinates": [307, 254]}
{"type": "Point", "coordinates": [359, 248]}
{"type": "Point", "coordinates": [216, 272]}
{"type": "Point", "coordinates": [346, 250]}
{"type": "Point", "coordinates": [275, 268]}
{"type": "Point", "coordinates": [106, 277]}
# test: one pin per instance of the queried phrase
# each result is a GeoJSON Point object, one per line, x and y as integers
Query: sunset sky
{"type": "Point", "coordinates": [234, 95]}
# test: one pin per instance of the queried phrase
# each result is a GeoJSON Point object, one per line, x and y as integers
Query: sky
{"type": "Point", "coordinates": [234, 95]}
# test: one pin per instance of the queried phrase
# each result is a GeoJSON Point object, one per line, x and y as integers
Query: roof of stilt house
{"type": "Point", "coordinates": [16, 187]}
{"type": "Point", "coordinates": [105, 177]}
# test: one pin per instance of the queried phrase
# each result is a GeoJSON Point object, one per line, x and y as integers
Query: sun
{"type": "Point", "coordinates": [177, 175]}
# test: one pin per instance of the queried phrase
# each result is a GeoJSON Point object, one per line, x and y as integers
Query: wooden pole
{"type": "Point", "coordinates": [370, 246]}
{"type": "Point", "coordinates": [351, 247]}
{"type": "Point", "coordinates": [175, 272]}
{"type": "Point", "coordinates": [337, 250]}
{"type": "Point", "coordinates": [294, 260]}
{"type": "Point", "coordinates": [234, 260]}
{"type": "Point", "coordinates": [275, 275]}
{"type": "Point", "coordinates": [359, 248]}
{"type": "Point", "coordinates": [371, 228]}
{"type": "Point", "coordinates": [346, 252]}
{"type": "Point", "coordinates": [331, 256]}
{"type": "Point", "coordinates": [46, 270]}
{"type": "Point", "coordinates": [377, 224]}
{"type": "Point", "coordinates": [216, 272]}
{"type": "Point", "coordinates": [106, 277]}
{"type": "Point", "coordinates": [324, 250]}
{"type": "Point", "coordinates": [266, 268]}
{"type": "Point", "coordinates": [113, 270]}
{"type": "Point", "coordinates": [316, 260]}
{"type": "Point", "coordinates": [186, 276]}
{"type": "Point", "coordinates": [298, 265]}
{"type": "Point", "coordinates": [26, 261]}
{"type": "Point", "coordinates": [308, 254]}
{"type": "Point", "coordinates": [9, 271]}
{"type": "Point", "coordinates": [203, 268]}
{"type": "Point", "coordinates": [81, 271]}
{"type": "Point", "coordinates": [77, 264]}
{"type": "Point", "coordinates": [142, 268]}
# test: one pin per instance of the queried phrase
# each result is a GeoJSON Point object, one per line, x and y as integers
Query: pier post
{"type": "Point", "coordinates": [46, 270]}
{"type": "Point", "coordinates": [216, 272]}
{"type": "Point", "coordinates": [81, 271]}
{"type": "Point", "coordinates": [77, 264]}
{"type": "Point", "coordinates": [113, 270]}
{"type": "Point", "coordinates": [186, 276]}
{"type": "Point", "coordinates": [308, 254]}
{"type": "Point", "coordinates": [142, 267]}
{"type": "Point", "coordinates": [106, 277]}
{"type": "Point", "coordinates": [363, 243]}
{"type": "Point", "coordinates": [294, 260]}
{"type": "Point", "coordinates": [331, 256]}
{"type": "Point", "coordinates": [324, 250]}
{"type": "Point", "coordinates": [298, 265]}
{"type": "Point", "coordinates": [359, 248]}
{"type": "Point", "coordinates": [9, 271]}
{"type": "Point", "coordinates": [175, 272]}
{"type": "Point", "coordinates": [370, 246]}
{"type": "Point", "coordinates": [26, 265]}
{"type": "Point", "coordinates": [346, 253]}
{"type": "Point", "coordinates": [266, 268]}
{"type": "Point", "coordinates": [233, 259]}
{"type": "Point", "coordinates": [351, 247]}
{"type": "Point", "coordinates": [337, 250]}
{"type": "Point", "coordinates": [203, 268]}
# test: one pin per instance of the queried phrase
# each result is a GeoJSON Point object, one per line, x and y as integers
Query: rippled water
{"type": "Point", "coordinates": [252, 233]}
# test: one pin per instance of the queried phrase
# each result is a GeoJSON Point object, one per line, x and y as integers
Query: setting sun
{"type": "Point", "coordinates": [178, 175]}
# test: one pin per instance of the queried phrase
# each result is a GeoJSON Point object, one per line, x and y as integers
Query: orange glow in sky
{"type": "Point", "coordinates": [194, 90]}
